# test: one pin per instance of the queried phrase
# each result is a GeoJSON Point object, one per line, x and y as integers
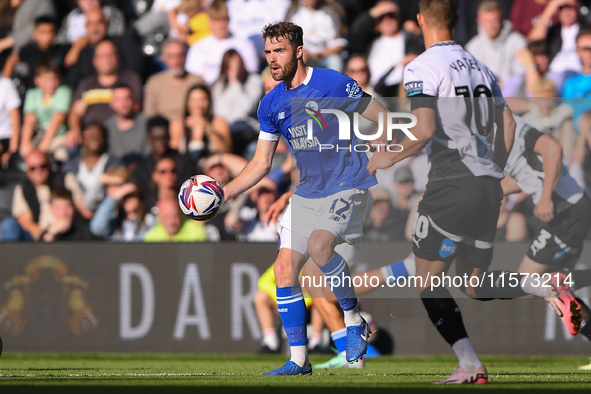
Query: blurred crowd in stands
{"type": "Point", "coordinates": [106, 107]}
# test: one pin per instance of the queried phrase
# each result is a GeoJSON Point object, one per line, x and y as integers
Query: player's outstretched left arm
{"type": "Point", "coordinates": [254, 171]}
{"type": "Point", "coordinates": [551, 153]}
{"type": "Point", "coordinates": [423, 131]}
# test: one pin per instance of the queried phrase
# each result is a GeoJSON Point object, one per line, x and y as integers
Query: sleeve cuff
{"type": "Point", "coordinates": [263, 135]}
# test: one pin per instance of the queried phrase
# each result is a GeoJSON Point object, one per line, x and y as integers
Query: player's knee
{"type": "Point", "coordinates": [320, 251]}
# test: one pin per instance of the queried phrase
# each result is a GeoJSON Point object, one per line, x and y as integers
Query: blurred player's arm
{"type": "Point", "coordinates": [504, 137]}
{"type": "Point", "coordinates": [551, 152]}
{"type": "Point", "coordinates": [423, 131]}
{"type": "Point", "coordinates": [254, 171]}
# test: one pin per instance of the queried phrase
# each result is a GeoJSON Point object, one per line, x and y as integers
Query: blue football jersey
{"type": "Point", "coordinates": [327, 164]}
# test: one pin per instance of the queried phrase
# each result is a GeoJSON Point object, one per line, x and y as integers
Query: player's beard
{"type": "Point", "coordinates": [286, 71]}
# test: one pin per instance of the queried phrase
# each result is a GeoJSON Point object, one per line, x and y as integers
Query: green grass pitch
{"type": "Point", "coordinates": [195, 374]}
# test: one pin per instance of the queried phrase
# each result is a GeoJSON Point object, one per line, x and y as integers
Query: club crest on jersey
{"type": "Point", "coordinates": [353, 90]}
{"type": "Point", "coordinates": [413, 88]}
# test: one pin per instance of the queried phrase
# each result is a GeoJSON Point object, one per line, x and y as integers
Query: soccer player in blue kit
{"type": "Point", "coordinates": [328, 206]}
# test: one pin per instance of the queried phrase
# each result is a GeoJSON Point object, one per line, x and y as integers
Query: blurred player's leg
{"type": "Point", "coordinates": [265, 308]}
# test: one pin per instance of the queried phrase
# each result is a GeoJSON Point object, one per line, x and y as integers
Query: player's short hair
{"type": "Point", "coordinates": [218, 10]}
{"type": "Point", "coordinates": [489, 6]}
{"type": "Point", "coordinates": [583, 32]}
{"type": "Point", "coordinates": [45, 19]}
{"type": "Point", "coordinates": [61, 193]}
{"type": "Point", "coordinates": [539, 47]}
{"type": "Point", "coordinates": [439, 13]}
{"type": "Point", "coordinates": [158, 121]}
{"type": "Point", "coordinates": [287, 30]}
{"type": "Point", "coordinates": [48, 66]}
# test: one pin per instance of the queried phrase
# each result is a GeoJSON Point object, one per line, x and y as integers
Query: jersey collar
{"type": "Point", "coordinates": [444, 43]}
{"type": "Point", "coordinates": [308, 78]}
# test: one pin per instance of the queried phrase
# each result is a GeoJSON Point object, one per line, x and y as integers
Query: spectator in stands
{"type": "Point", "coordinates": [205, 56]}
{"type": "Point", "coordinates": [158, 144]}
{"type": "Point", "coordinates": [164, 183]}
{"type": "Point", "coordinates": [127, 129]}
{"type": "Point", "coordinates": [561, 36]}
{"type": "Point", "coordinates": [67, 225]}
{"type": "Point", "coordinates": [80, 57]}
{"type": "Point", "coordinates": [46, 108]}
{"type": "Point", "coordinates": [496, 44]}
{"type": "Point", "coordinates": [549, 116]}
{"type": "Point", "coordinates": [248, 17]}
{"type": "Point", "coordinates": [23, 22]}
{"type": "Point", "coordinates": [166, 91]}
{"type": "Point", "coordinates": [156, 20]}
{"type": "Point", "coordinates": [363, 30]}
{"type": "Point", "coordinates": [577, 89]}
{"type": "Point", "coordinates": [236, 95]}
{"type": "Point", "coordinates": [247, 222]}
{"type": "Point", "coordinates": [188, 23]}
{"type": "Point", "coordinates": [323, 40]}
{"type": "Point", "coordinates": [31, 212]}
{"type": "Point", "coordinates": [93, 95]}
{"type": "Point", "coordinates": [173, 226]}
{"type": "Point", "coordinates": [535, 61]}
{"type": "Point", "coordinates": [525, 14]}
{"type": "Point", "coordinates": [383, 226]}
{"type": "Point", "coordinates": [10, 121]}
{"type": "Point", "coordinates": [90, 164]}
{"type": "Point", "coordinates": [467, 26]}
{"type": "Point", "coordinates": [73, 25]}
{"type": "Point", "coordinates": [391, 51]}
{"type": "Point", "coordinates": [24, 62]}
{"type": "Point", "coordinates": [7, 11]}
{"type": "Point", "coordinates": [122, 215]}
{"type": "Point", "coordinates": [205, 132]}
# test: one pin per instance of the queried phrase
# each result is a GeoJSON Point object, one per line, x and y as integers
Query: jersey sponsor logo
{"type": "Point", "coordinates": [413, 88]}
{"type": "Point", "coordinates": [353, 90]}
{"type": "Point", "coordinates": [448, 248]}
{"type": "Point", "coordinates": [281, 310]}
